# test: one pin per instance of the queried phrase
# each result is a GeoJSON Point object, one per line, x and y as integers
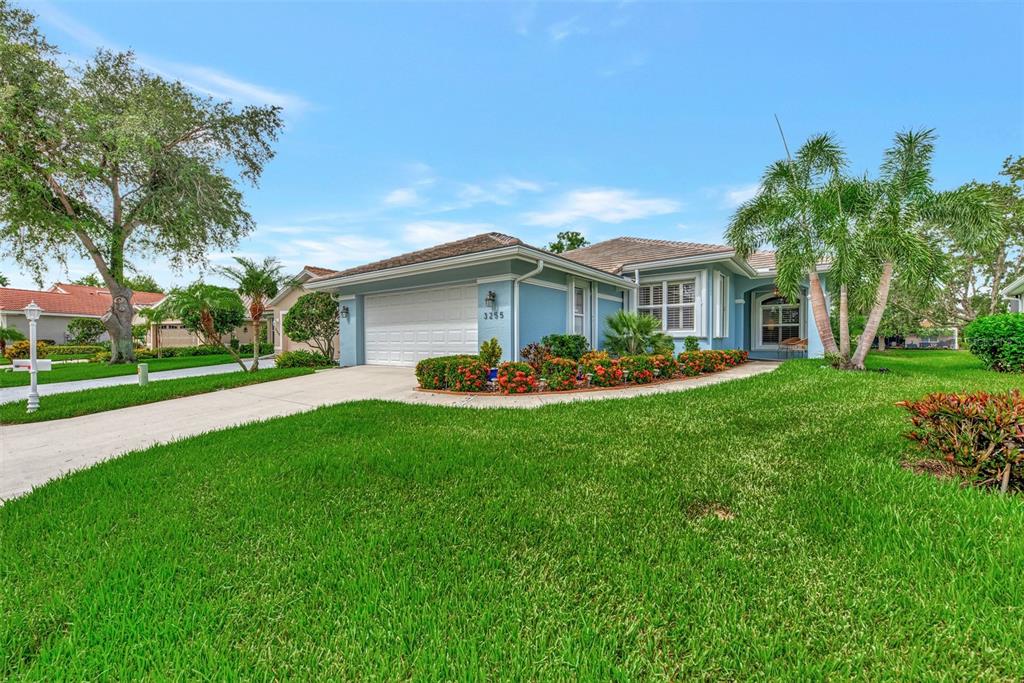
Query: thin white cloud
{"type": "Point", "coordinates": [560, 30]}
{"type": "Point", "coordinates": [200, 78]}
{"type": "Point", "coordinates": [402, 196]}
{"type": "Point", "coordinates": [631, 63]}
{"type": "Point", "coordinates": [602, 204]}
{"type": "Point", "coordinates": [336, 250]}
{"type": "Point", "coordinates": [734, 196]}
{"type": "Point", "coordinates": [426, 233]}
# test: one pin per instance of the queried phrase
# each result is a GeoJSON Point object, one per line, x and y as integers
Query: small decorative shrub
{"type": "Point", "coordinates": [490, 352]}
{"type": "Point", "coordinates": [690, 363]}
{"type": "Point", "coordinates": [432, 373]}
{"type": "Point", "coordinates": [469, 374]}
{"type": "Point", "coordinates": [666, 365]}
{"type": "Point", "coordinates": [980, 435]}
{"type": "Point", "coordinates": [594, 355]}
{"type": "Point", "coordinates": [517, 378]}
{"type": "Point", "coordinates": [691, 344]}
{"type": "Point", "coordinates": [101, 357]}
{"type": "Point", "coordinates": [571, 346]}
{"type": "Point", "coordinates": [302, 359]}
{"type": "Point", "coordinates": [693, 363]}
{"type": "Point", "coordinates": [602, 372]}
{"type": "Point", "coordinates": [998, 340]}
{"type": "Point", "coordinates": [637, 369]}
{"type": "Point", "coordinates": [560, 373]}
{"type": "Point", "coordinates": [535, 354]}
{"type": "Point", "coordinates": [72, 349]}
{"type": "Point", "coordinates": [234, 344]}
{"type": "Point", "coordinates": [20, 349]}
{"type": "Point", "coordinates": [265, 349]}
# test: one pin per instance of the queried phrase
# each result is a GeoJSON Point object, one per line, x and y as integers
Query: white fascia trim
{"type": "Point", "coordinates": [490, 256]}
{"type": "Point", "coordinates": [542, 283]}
{"type": "Point", "coordinates": [729, 257]}
{"type": "Point", "coordinates": [346, 297]}
{"type": "Point", "coordinates": [672, 277]}
{"type": "Point", "coordinates": [1014, 288]}
{"type": "Point", "coordinates": [495, 278]}
{"type": "Point", "coordinates": [609, 297]}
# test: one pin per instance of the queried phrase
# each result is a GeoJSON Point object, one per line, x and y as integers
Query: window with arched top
{"type": "Point", "coordinates": [778, 319]}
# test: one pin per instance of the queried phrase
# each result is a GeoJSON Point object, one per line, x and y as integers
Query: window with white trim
{"type": "Point", "coordinates": [578, 311]}
{"type": "Point", "coordinates": [721, 295]}
{"type": "Point", "coordinates": [674, 304]}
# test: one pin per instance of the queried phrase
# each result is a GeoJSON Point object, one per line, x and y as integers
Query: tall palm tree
{"type": "Point", "coordinates": [209, 311]}
{"type": "Point", "coordinates": [796, 211]}
{"type": "Point", "coordinates": [904, 217]}
{"type": "Point", "coordinates": [258, 283]}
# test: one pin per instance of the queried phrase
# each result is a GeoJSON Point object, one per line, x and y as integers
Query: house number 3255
{"type": "Point", "coordinates": [494, 315]}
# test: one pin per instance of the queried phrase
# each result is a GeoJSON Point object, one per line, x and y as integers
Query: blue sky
{"type": "Point", "coordinates": [414, 123]}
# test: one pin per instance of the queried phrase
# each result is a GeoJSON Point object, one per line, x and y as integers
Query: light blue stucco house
{"type": "Point", "coordinates": [448, 298]}
{"type": "Point", "coordinates": [1014, 295]}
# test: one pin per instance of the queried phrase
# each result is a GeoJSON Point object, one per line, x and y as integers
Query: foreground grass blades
{"type": "Point", "coordinates": [382, 541]}
{"type": "Point", "coordinates": [76, 403]}
{"type": "Point", "coordinates": [77, 371]}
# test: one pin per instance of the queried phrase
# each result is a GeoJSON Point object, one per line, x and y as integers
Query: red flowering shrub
{"type": "Point", "coordinates": [667, 367]}
{"type": "Point", "coordinates": [980, 434]}
{"type": "Point", "coordinates": [516, 378]}
{"type": "Point", "coordinates": [469, 374]}
{"type": "Point", "coordinates": [559, 373]}
{"type": "Point", "coordinates": [637, 369]}
{"type": "Point", "coordinates": [602, 372]}
{"type": "Point", "coordinates": [695, 362]}
{"type": "Point", "coordinates": [691, 363]}
{"type": "Point", "coordinates": [434, 373]}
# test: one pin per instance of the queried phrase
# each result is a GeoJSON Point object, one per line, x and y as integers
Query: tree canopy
{"type": "Point", "coordinates": [208, 311]}
{"type": "Point", "coordinates": [568, 240]}
{"type": "Point", "coordinates": [313, 319]}
{"type": "Point", "coordinates": [107, 160]}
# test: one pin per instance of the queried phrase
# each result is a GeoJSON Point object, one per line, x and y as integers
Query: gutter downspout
{"type": "Point", "coordinates": [515, 306]}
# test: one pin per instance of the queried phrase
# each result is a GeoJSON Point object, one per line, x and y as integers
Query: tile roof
{"type": "Point", "coordinates": [69, 299]}
{"type": "Point", "coordinates": [611, 255]}
{"type": "Point", "coordinates": [469, 245]}
{"type": "Point", "coordinates": [317, 271]}
{"type": "Point", "coordinates": [762, 260]}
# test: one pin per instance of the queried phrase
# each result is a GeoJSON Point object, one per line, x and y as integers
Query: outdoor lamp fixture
{"type": "Point", "coordinates": [344, 312]}
{"type": "Point", "coordinates": [32, 312]}
{"type": "Point", "coordinates": [491, 301]}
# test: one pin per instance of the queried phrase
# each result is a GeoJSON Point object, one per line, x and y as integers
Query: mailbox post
{"type": "Point", "coordinates": [32, 312]}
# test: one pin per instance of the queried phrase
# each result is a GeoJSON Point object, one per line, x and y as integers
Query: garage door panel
{"type": "Point", "coordinates": [404, 328]}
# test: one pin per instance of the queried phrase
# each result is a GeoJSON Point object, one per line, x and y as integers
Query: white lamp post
{"type": "Point", "coordinates": [32, 312]}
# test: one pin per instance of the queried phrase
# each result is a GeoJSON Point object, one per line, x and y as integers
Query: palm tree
{"type": "Point", "coordinates": [257, 282]}
{"type": "Point", "coordinates": [900, 232]}
{"type": "Point", "coordinates": [632, 333]}
{"type": "Point", "coordinates": [208, 311]}
{"type": "Point", "coordinates": [797, 210]}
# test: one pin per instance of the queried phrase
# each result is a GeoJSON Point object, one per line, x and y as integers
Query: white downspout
{"type": "Point", "coordinates": [515, 306]}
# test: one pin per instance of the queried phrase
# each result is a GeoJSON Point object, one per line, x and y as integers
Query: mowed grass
{"type": "Point", "coordinates": [87, 401]}
{"type": "Point", "coordinates": [77, 371]}
{"type": "Point", "coordinates": [385, 541]}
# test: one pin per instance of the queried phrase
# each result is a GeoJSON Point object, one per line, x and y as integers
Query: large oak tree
{"type": "Point", "coordinates": [107, 161]}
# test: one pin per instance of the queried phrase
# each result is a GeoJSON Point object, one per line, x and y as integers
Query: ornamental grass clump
{"type": "Point", "coordinates": [602, 372]}
{"type": "Point", "coordinates": [637, 369]}
{"type": "Point", "coordinates": [517, 378]}
{"type": "Point", "coordinates": [979, 436]}
{"type": "Point", "coordinates": [560, 374]}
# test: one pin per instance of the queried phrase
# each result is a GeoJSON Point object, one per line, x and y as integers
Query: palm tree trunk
{"type": "Point", "coordinates": [255, 345]}
{"type": "Point", "coordinates": [844, 323]}
{"type": "Point", "coordinates": [874, 318]}
{"type": "Point", "coordinates": [820, 312]}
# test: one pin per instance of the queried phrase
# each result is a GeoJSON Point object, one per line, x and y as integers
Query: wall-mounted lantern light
{"type": "Point", "coordinates": [344, 312]}
{"type": "Point", "coordinates": [491, 301]}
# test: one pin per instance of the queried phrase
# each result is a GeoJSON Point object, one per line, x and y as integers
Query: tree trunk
{"type": "Point", "coordinates": [844, 323]}
{"type": "Point", "coordinates": [881, 343]}
{"type": "Point", "coordinates": [998, 269]}
{"type": "Point", "coordinates": [874, 318]}
{"type": "Point", "coordinates": [118, 321]}
{"type": "Point", "coordinates": [820, 312]}
{"type": "Point", "coordinates": [255, 345]}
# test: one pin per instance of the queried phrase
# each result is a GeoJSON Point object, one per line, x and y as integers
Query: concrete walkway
{"type": "Point", "coordinates": [21, 393]}
{"type": "Point", "coordinates": [32, 454]}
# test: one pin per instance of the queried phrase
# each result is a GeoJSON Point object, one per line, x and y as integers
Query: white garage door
{"type": "Point", "coordinates": [406, 327]}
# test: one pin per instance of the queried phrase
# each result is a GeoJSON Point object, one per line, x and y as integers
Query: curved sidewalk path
{"type": "Point", "coordinates": [9, 394]}
{"type": "Point", "coordinates": [32, 454]}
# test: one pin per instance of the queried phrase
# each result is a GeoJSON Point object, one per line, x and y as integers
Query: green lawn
{"type": "Point", "coordinates": [75, 403]}
{"type": "Point", "coordinates": [384, 541]}
{"type": "Point", "coordinates": [76, 371]}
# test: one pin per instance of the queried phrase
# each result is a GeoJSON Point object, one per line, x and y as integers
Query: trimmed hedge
{"type": "Point", "coordinates": [302, 359]}
{"type": "Point", "coordinates": [570, 346]}
{"type": "Point", "coordinates": [433, 373]}
{"type": "Point", "coordinates": [695, 362]}
{"type": "Point", "coordinates": [602, 372]}
{"type": "Point", "coordinates": [637, 369]}
{"type": "Point", "coordinates": [468, 374]}
{"type": "Point", "coordinates": [517, 378]}
{"type": "Point", "coordinates": [560, 373]}
{"type": "Point", "coordinates": [73, 349]}
{"type": "Point", "coordinates": [265, 349]}
{"type": "Point", "coordinates": [998, 340]}
{"type": "Point", "coordinates": [21, 349]}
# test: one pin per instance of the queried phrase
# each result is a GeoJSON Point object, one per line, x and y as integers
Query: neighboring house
{"type": "Point", "coordinates": [1014, 295]}
{"type": "Point", "coordinates": [448, 298]}
{"type": "Point", "coordinates": [285, 299]}
{"type": "Point", "coordinates": [61, 304]}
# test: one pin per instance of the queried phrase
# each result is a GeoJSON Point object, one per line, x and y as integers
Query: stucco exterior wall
{"type": "Point", "coordinates": [281, 341]}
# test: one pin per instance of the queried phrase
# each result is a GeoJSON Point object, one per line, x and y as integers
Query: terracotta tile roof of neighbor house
{"type": "Point", "coordinates": [470, 245]}
{"type": "Point", "coordinates": [70, 299]}
{"type": "Point", "coordinates": [611, 255]}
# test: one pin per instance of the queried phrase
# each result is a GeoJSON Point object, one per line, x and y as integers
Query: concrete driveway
{"type": "Point", "coordinates": [32, 454]}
